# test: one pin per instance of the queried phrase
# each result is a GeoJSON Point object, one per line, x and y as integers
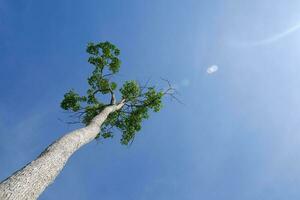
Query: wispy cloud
{"type": "Point", "coordinates": [274, 38]}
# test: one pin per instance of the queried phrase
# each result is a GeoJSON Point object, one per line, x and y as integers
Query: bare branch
{"type": "Point", "coordinates": [113, 98]}
{"type": "Point", "coordinates": [107, 75]}
{"type": "Point", "coordinates": [171, 91]}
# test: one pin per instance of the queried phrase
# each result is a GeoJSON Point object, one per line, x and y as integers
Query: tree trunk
{"type": "Point", "coordinates": [30, 181]}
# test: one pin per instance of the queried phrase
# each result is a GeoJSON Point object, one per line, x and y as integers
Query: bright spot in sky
{"type": "Point", "coordinates": [212, 69]}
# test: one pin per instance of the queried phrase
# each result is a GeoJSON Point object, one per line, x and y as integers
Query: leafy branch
{"type": "Point", "coordinates": [140, 100]}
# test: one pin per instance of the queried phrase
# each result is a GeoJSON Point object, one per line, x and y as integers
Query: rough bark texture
{"type": "Point", "coordinates": [30, 181]}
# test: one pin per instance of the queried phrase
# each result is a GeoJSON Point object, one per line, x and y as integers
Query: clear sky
{"type": "Point", "coordinates": [237, 134]}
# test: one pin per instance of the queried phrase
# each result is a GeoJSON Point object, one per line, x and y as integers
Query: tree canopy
{"type": "Point", "coordinates": [140, 100]}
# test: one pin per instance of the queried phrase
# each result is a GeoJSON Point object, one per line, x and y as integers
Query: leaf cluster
{"type": "Point", "coordinates": [139, 100]}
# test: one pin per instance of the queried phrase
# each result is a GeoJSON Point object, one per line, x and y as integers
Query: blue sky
{"type": "Point", "coordinates": [237, 134]}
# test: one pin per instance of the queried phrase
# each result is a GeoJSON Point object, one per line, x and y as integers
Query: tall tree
{"type": "Point", "coordinates": [100, 120]}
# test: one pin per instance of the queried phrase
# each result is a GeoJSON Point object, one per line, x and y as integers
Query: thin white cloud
{"type": "Point", "coordinates": [212, 69]}
{"type": "Point", "coordinates": [269, 40]}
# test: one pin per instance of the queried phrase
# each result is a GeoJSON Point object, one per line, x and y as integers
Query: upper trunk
{"type": "Point", "coordinates": [30, 181]}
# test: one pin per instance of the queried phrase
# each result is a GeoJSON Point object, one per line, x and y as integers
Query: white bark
{"type": "Point", "coordinates": [30, 181]}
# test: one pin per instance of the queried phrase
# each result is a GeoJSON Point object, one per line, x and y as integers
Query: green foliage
{"type": "Point", "coordinates": [104, 54]}
{"type": "Point", "coordinates": [107, 135]}
{"type": "Point", "coordinates": [113, 85]}
{"type": "Point", "coordinates": [153, 99]}
{"type": "Point", "coordinates": [139, 101]}
{"type": "Point", "coordinates": [130, 91]}
{"type": "Point", "coordinates": [72, 101]}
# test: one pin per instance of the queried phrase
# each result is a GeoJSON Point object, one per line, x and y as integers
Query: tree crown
{"type": "Point", "coordinates": [139, 100]}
